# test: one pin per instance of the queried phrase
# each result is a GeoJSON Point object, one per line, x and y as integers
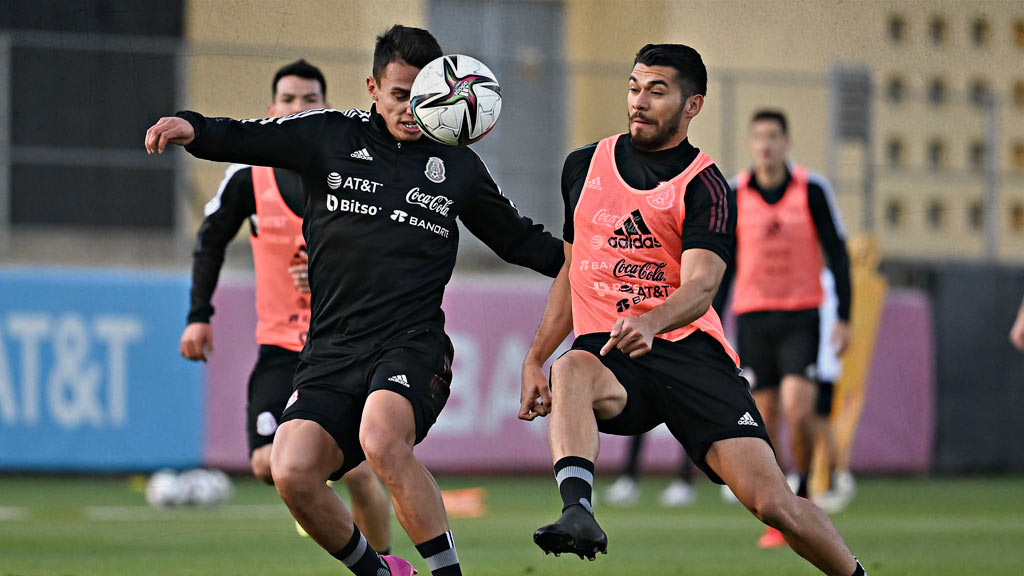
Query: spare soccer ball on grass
{"type": "Point", "coordinates": [164, 489]}
{"type": "Point", "coordinates": [455, 100]}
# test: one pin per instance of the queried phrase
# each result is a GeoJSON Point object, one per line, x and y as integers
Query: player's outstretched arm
{"type": "Point", "coordinates": [169, 130]}
{"type": "Point", "coordinates": [555, 325]}
{"type": "Point", "coordinates": [700, 272]}
{"type": "Point", "coordinates": [287, 142]}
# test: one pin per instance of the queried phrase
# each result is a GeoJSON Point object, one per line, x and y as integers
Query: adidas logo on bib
{"type": "Point", "coordinates": [399, 379]}
{"type": "Point", "coordinates": [746, 420]}
{"type": "Point", "coordinates": [633, 234]}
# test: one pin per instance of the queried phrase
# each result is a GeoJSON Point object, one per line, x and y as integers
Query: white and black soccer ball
{"type": "Point", "coordinates": [205, 487]}
{"type": "Point", "coordinates": [165, 489]}
{"type": "Point", "coordinates": [455, 100]}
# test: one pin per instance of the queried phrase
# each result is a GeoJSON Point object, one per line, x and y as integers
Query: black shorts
{"type": "Point", "coordinates": [773, 345]}
{"type": "Point", "coordinates": [270, 385]}
{"type": "Point", "coordinates": [417, 365]}
{"type": "Point", "coordinates": [826, 390]}
{"type": "Point", "coordinates": [691, 385]}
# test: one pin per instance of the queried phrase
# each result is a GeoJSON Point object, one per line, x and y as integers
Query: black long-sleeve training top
{"type": "Point", "coordinates": [379, 218]}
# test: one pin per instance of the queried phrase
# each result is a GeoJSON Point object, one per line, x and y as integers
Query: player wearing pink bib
{"type": "Point", "coordinates": [650, 227]}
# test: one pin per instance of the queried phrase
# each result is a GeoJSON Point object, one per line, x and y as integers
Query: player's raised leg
{"type": "Point", "coordinates": [747, 465]}
{"type": "Point", "coordinates": [303, 459]}
{"type": "Point", "coordinates": [583, 390]}
{"type": "Point", "coordinates": [387, 434]}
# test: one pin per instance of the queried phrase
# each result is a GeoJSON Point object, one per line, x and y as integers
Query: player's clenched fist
{"type": "Point", "coordinates": [169, 130]}
{"type": "Point", "coordinates": [534, 400]}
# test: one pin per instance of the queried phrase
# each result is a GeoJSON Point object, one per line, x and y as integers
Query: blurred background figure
{"type": "Point", "coordinates": [786, 219]}
{"type": "Point", "coordinates": [625, 491]}
{"type": "Point", "coordinates": [840, 489]}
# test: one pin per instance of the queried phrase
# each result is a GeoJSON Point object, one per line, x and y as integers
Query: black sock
{"type": "Point", "coordinates": [860, 569]}
{"type": "Point", "coordinates": [801, 489]}
{"type": "Point", "coordinates": [360, 558]}
{"type": "Point", "coordinates": [575, 477]}
{"type": "Point", "coordinates": [440, 555]}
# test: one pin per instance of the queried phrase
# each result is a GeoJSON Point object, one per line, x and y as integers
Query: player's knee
{"type": "Point", "coordinates": [572, 371]}
{"type": "Point", "coordinates": [773, 509]}
{"type": "Point", "coordinates": [385, 452]}
{"type": "Point", "coordinates": [291, 478]}
{"type": "Point", "coordinates": [260, 464]}
{"type": "Point", "coordinates": [261, 470]}
{"type": "Point", "coordinates": [362, 483]}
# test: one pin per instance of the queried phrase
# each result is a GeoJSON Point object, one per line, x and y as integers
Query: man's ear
{"type": "Point", "coordinates": [371, 87]}
{"type": "Point", "coordinates": [693, 105]}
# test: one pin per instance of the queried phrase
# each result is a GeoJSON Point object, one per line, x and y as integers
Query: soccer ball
{"type": "Point", "coordinates": [164, 489]}
{"type": "Point", "coordinates": [455, 100]}
{"type": "Point", "coordinates": [205, 487]}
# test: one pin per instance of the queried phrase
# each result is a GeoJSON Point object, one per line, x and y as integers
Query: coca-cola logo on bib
{"type": "Point", "coordinates": [650, 271]}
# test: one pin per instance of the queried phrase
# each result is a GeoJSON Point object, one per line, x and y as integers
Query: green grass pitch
{"type": "Point", "coordinates": [78, 526]}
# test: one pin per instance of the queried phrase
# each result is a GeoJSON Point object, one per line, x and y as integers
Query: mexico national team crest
{"type": "Point", "coordinates": [435, 170]}
{"type": "Point", "coordinates": [662, 199]}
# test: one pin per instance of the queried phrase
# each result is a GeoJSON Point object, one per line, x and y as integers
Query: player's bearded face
{"type": "Point", "coordinates": [391, 92]}
{"type": "Point", "coordinates": [656, 107]}
{"type": "Point", "coordinates": [657, 133]}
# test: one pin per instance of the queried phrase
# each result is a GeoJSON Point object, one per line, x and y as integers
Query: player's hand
{"type": "Point", "coordinates": [169, 130]}
{"type": "Point", "coordinates": [196, 341]}
{"type": "Point", "coordinates": [841, 337]}
{"type": "Point", "coordinates": [634, 336]}
{"type": "Point", "coordinates": [535, 399]}
{"type": "Point", "coordinates": [299, 272]}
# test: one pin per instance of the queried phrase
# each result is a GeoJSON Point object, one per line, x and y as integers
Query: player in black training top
{"type": "Point", "coordinates": [275, 220]}
{"type": "Point", "coordinates": [380, 225]}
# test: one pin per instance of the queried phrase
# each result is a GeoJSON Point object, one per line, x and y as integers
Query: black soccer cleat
{"type": "Point", "coordinates": [576, 532]}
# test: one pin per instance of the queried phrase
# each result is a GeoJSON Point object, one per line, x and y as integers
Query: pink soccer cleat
{"type": "Point", "coordinates": [399, 566]}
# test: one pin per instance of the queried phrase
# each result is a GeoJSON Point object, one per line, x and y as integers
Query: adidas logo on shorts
{"type": "Point", "coordinates": [399, 379]}
{"type": "Point", "coordinates": [746, 420]}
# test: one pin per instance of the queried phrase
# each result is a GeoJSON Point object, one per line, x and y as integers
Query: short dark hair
{"type": "Point", "coordinates": [414, 46]}
{"type": "Point", "coordinates": [772, 115]}
{"type": "Point", "coordinates": [302, 69]}
{"type": "Point", "coordinates": [691, 75]}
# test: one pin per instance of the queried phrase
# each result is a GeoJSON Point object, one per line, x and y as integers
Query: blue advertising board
{"type": "Point", "coordinates": [90, 376]}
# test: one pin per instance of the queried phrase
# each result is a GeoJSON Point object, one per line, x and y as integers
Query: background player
{"type": "Point", "coordinates": [376, 369]}
{"type": "Point", "coordinates": [649, 348]}
{"type": "Point", "coordinates": [625, 490]}
{"type": "Point", "coordinates": [786, 219]}
{"type": "Point", "coordinates": [271, 200]}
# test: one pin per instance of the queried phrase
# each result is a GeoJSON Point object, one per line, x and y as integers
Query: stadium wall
{"type": "Point", "coordinates": [979, 374]}
{"type": "Point", "coordinates": [91, 379]}
{"type": "Point", "coordinates": [492, 321]}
